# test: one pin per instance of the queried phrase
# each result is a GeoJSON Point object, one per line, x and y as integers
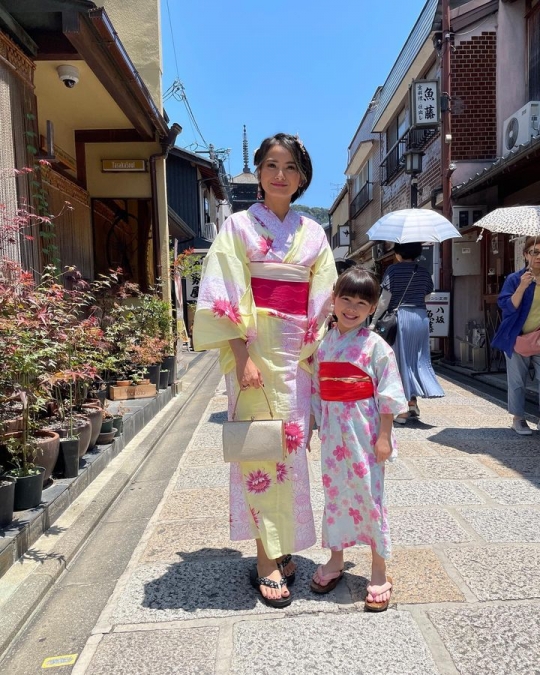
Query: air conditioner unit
{"type": "Point", "coordinates": [466, 216]}
{"type": "Point", "coordinates": [521, 127]}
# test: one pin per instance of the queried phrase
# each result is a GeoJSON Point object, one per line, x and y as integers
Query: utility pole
{"type": "Point", "coordinates": [446, 158]}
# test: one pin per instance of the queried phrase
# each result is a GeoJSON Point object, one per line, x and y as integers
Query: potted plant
{"type": "Point", "coordinates": [7, 498]}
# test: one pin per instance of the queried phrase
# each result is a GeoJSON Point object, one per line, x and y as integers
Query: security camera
{"type": "Point", "coordinates": [69, 75]}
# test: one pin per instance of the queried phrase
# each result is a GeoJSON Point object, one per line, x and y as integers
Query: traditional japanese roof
{"type": "Point", "coordinates": [522, 155]}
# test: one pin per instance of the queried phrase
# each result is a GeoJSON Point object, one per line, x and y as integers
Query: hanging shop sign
{"type": "Point", "coordinates": [123, 165]}
{"type": "Point", "coordinates": [425, 103]}
{"type": "Point", "coordinates": [438, 311]}
{"type": "Point", "coordinates": [344, 235]}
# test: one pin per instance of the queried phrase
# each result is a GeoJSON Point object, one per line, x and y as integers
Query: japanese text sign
{"type": "Point", "coordinates": [438, 311]}
{"type": "Point", "coordinates": [425, 103]}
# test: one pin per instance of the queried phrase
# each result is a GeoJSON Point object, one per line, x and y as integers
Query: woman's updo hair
{"type": "Point", "coordinates": [358, 282]}
{"type": "Point", "coordinates": [409, 251]}
{"type": "Point", "coordinates": [299, 154]}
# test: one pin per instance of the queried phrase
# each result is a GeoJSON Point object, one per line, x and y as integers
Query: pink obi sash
{"type": "Point", "coordinates": [342, 381]}
{"type": "Point", "coordinates": [280, 286]}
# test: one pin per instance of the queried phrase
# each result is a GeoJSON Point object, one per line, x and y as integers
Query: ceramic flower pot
{"type": "Point", "coordinates": [118, 424]}
{"type": "Point", "coordinates": [95, 415]}
{"type": "Point", "coordinates": [106, 425]}
{"type": "Point", "coordinates": [106, 438]}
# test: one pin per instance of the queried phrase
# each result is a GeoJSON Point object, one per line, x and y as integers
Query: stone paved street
{"type": "Point", "coordinates": [464, 502]}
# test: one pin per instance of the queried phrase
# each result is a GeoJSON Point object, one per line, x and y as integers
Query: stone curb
{"type": "Point", "coordinates": [29, 593]}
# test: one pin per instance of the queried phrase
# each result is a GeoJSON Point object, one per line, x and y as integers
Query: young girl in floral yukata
{"type": "Point", "coordinates": [264, 299]}
{"type": "Point", "coordinates": [357, 392]}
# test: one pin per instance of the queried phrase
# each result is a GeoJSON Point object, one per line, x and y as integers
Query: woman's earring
{"type": "Point", "coordinates": [259, 193]}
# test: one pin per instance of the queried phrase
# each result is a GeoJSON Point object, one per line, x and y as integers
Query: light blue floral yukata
{"type": "Point", "coordinates": [354, 511]}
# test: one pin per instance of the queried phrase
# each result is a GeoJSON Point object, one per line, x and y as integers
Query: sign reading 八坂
{"type": "Point", "coordinates": [438, 311]}
{"type": "Point", "coordinates": [425, 103]}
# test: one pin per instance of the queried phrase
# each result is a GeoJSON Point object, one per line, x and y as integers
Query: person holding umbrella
{"type": "Point", "coordinates": [519, 301]}
{"type": "Point", "coordinates": [405, 286]}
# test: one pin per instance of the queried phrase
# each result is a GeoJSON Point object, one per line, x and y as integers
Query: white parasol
{"type": "Point", "coordinates": [519, 220]}
{"type": "Point", "coordinates": [410, 225]}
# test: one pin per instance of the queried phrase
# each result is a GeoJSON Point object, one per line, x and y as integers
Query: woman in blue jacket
{"type": "Point", "coordinates": [519, 301]}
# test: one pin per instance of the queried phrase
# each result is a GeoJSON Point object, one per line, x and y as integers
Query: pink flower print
{"type": "Point", "coordinates": [327, 481]}
{"type": "Point", "coordinates": [222, 307]}
{"type": "Point", "coordinates": [332, 507]}
{"type": "Point", "coordinates": [364, 359]}
{"type": "Point", "coordinates": [333, 492]}
{"type": "Point", "coordinates": [355, 515]}
{"type": "Point", "coordinates": [353, 352]}
{"type": "Point", "coordinates": [255, 515]}
{"type": "Point", "coordinates": [330, 520]}
{"type": "Point", "coordinates": [385, 409]}
{"type": "Point", "coordinates": [311, 331]}
{"type": "Point", "coordinates": [375, 514]}
{"type": "Point", "coordinates": [371, 460]}
{"type": "Point", "coordinates": [330, 462]}
{"type": "Point", "coordinates": [358, 498]}
{"type": "Point", "coordinates": [373, 440]}
{"type": "Point", "coordinates": [378, 486]}
{"type": "Point", "coordinates": [349, 474]}
{"type": "Point", "coordinates": [341, 452]}
{"type": "Point", "coordinates": [360, 469]}
{"type": "Point", "coordinates": [281, 472]}
{"type": "Point", "coordinates": [294, 437]}
{"type": "Point", "coordinates": [258, 481]}
{"type": "Point", "coordinates": [265, 244]}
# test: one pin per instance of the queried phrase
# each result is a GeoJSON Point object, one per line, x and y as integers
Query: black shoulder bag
{"type": "Point", "coordinates": [386, 325]}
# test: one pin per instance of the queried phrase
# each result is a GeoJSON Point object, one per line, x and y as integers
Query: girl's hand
{"type": "Point", "coordinates": [248, 374]}
{"type": "Point", "coordinates": [383, 449]}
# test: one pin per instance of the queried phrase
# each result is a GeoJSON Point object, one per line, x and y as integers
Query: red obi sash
{"type": "Point", "coordinates": [342, 381]}
{"type": "Point", "coordinates": [288, 297]}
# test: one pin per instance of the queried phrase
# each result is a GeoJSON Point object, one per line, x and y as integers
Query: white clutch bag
{"type": "Point", "coordinates": [253, 440]}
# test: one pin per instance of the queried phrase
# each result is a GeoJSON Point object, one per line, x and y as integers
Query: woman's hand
{"type": "Point", "coordinates": [248, 374]}
{"type": "Point", "coordinates": [527, 279]}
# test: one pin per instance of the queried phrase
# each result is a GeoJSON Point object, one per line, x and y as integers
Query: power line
{"type": "Point", "coordinates": [172, 39]}
{"type": "Point", "coordinates": [178, 92]}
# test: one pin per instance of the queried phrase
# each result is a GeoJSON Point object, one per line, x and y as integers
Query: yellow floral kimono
{"type": "Point", "coordinates": [269, 282]}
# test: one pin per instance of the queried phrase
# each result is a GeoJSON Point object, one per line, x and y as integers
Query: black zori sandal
{"type": "Point", "coordinates": [257, 582]}
{"type": "Point", "coordinates": [282, 565]}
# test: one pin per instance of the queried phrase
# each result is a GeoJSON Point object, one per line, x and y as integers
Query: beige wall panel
{"type": "Point", "coordinates": [138, 26]}
{"type": "Point", "coordinates": [101, 184]}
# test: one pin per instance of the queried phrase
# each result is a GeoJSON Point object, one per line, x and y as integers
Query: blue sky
{"type": "Point", "coordinates": [299, 66]}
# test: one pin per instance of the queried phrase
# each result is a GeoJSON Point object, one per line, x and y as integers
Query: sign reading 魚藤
{"type": "Point", "coordinates": [425, 103]}
{"type": "Point", "coordinates": [121, 165]}
{"type": "Point", "coordinates": [438, 311]}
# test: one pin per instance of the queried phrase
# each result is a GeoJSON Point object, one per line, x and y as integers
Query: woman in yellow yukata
{"type": "Point", "coordinates": [264, 300]}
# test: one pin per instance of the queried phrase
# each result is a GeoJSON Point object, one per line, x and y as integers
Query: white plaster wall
{"type": "Point", "coordinates": [138, 24]}
{"type": "Point", "coordinates": [511, 63]}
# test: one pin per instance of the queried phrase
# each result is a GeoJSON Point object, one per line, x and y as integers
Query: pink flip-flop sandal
{"type": "Point", "coordinates": [331, 580]}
